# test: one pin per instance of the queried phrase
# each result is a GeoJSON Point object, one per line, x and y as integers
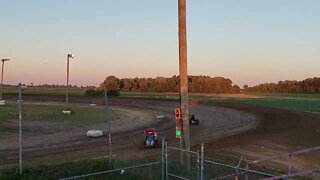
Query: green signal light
{"type": "Point", "coordinates": [178, 133]}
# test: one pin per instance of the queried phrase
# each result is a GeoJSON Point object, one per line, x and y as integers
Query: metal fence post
{"type": "Point", "coordinates": [198, 164]}
{"type": "Point", "coordinates": [202, 162]}
{"type": "Point", "coordinates": [20, 129]}
{"type": "Point", "coordinates": [166, 159]}
{"type": "Point", "coordinates": [236, 176]}
{"type": "Point", "coordinates": [246, 176]}
{"type": "Point", "coordinates": [109, 126]}
{"type": "Point", "coordinates": [162, 158]}
{"type": "Point", "coordinates": [289, 165]}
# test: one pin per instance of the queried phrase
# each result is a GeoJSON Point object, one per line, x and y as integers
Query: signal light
{"type": "Point", "coordinates": [178, 123]}
{"type": "Point", "coordinates": [178, 133]}
{"type": "Point", "coordinates": [177, 113]}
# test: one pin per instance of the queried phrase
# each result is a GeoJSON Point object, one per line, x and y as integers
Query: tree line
{"type": "Point", "coordinates": [197, 84]}
{"type": "Point", "coordinates": [309, 85]}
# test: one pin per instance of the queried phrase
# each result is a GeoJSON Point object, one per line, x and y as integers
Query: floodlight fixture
{"type": "Point", "coordinates": [3, 60]}
{"type": "Point", "coordinates": [70, 55]}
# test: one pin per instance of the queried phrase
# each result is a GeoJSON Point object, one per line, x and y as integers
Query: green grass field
{"type": "Point", "coordinates": [163, 95]}
{"type": "Point", "coordinates": [53, 112]}
{"type": "Point", "coordinates": [46, 91]}
{"type": "Point", "coordinates": [301, 102]}
{"type": "Point", "coordinates": [286, 96]}
{"type": "Point", "coordinates": [70, 169]}
{"type": "Point", "coordinates": [82, 167]}
{"type": "Point", "coordinates": [292, 104]}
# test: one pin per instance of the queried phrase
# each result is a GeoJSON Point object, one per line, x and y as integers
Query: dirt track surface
{"type": "Point", "coordinates": [280, 131]}
{"type": "Point", "coordinates": [55, 141]}
{"type": "Point", "coordinates": [227, 130]}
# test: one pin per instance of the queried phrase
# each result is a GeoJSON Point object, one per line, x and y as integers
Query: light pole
{"type": "Point", "coordinates": [3, 60]}
{"type": "Point", "coordinates": [68, 59]}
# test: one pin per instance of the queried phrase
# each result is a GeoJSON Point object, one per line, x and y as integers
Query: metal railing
{"type": "Point", "coordinates": [237, 169]}
{"type": "Point", "coordinates": [113, 170]}
{"type": "Point", "coordinates": [203, 163]}
{"type": "Point", "coordinates": [199, 161]}
{"type": "Point", "coordinates": [285, 155]}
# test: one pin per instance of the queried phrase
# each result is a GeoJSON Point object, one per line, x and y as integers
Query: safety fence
{"type": "Point", "coordinates": [177, 163]}
{"type": "Point", "coordinates": [185, 164]}
{"type": "Point", "coordinates": [289, 157]}
{"type": "Point", "coordinates": [117, 171]}
{"type": "Point", "coordinates": [194, 161]}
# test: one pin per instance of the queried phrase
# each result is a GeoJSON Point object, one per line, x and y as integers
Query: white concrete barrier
{"type": "Point", "coordinates": [66, 112]}
{"type": "Point", "coordinates": [2, 102]}
{"type": "Point", "coordinates": [94, 133]}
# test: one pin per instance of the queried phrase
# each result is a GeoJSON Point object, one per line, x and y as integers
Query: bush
{"type": "Point", "coordinates": [113, 93]}
{"type": "Point", "coordinates": [100, 92]}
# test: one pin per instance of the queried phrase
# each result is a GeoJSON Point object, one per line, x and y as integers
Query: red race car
{"type": "Point", "coordinates": [150, 138]}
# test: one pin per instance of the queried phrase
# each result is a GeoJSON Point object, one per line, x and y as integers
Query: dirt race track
{"type": "Point", "coordinates": [228, 130]}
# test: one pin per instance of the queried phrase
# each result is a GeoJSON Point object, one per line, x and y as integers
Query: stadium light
{"type": "Point", "coordinates": [68, 59]}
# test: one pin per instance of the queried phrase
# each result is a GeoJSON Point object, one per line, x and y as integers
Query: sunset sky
{"type": "Point", "coordinates": [248, 41]}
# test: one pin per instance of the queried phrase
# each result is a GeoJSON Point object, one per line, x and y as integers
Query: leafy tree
{"type": "Point", "coordinates": [197, 84]}
{"type": "Point", "coordinates": [111, 83]}
{"type": "Point", "coordinates": [100, 92]}
{"type": "Point", "coordinates": [309, 85]}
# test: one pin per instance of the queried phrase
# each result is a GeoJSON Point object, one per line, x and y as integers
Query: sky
{"type": "Point", "coordinates": [248, 41]}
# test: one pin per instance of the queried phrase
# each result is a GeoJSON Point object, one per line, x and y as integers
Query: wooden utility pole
{"type": "Point", "coordinates": [184, 99]}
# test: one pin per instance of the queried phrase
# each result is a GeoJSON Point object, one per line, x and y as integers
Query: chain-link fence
{"type": "Point", "coordinates": [183, 164]}
{"type": "Point", "coordinates": [123, 171]}
{"type": "Point", "coordinates": [311, 172]}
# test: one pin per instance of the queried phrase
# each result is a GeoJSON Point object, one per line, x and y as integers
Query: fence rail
{"type": "Point", "coordinates": [113, 170]}
{"type": "Point", "coordinates": [203, 162]}
{"type": "Point", "coordinates": [229, 175]}
{"type": "Point", "coordinates": [178, 177]}
{"type": "Point", "coordinates": [239, 168]}
{"type": "Point", "coordinates": [178, 149]}
{"type": "Point", "coordinates": [288, 155]}
{"type": "Point", "coordinates": [301, 173]}
{"type": "Point", "coordinates": [295, 153]}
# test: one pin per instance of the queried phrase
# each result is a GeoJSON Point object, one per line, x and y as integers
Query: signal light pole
{"type": "Point", "coordinates": [184, 99]}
